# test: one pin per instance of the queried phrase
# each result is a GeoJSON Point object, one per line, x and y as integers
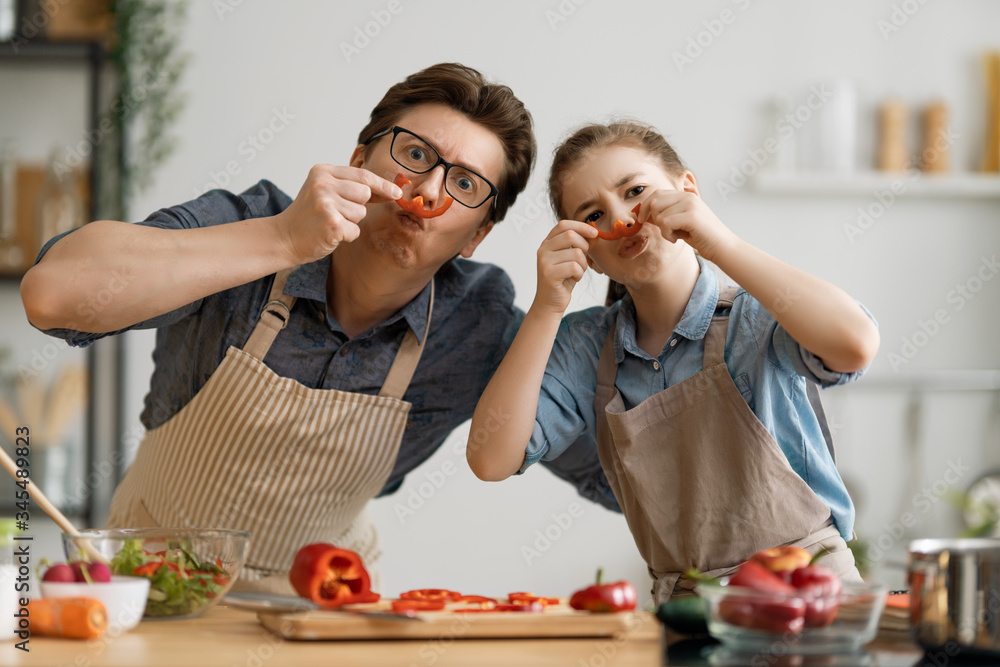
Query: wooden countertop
{"type": "Point", "coordinates": [226, 637]}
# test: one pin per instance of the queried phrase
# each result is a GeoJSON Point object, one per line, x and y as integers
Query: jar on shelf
{"type": "Point", "coordinates": [60, 207]}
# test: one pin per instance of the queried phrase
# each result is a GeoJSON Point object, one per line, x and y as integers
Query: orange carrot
{"type": "Point", "coordinates": [73, 618]}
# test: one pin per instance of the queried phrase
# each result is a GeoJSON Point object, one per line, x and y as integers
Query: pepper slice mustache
{"type": "Point", "coordinates": [620, 229]}
{"type": "Point", "coordinates": [415, 206]}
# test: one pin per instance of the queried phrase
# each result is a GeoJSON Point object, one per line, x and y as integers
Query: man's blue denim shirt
{"type": "Point", "coordinates": [768, 366]}
{"type": "Point", "coordinates": [473, 323]}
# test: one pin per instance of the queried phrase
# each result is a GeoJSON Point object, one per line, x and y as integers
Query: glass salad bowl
{"type": "Point", "coordinates": [744, 619]}
{"type": "Point", "coordinates": [189, 569]}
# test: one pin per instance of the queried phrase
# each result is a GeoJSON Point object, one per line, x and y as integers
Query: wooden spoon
{"type": "Point", "coordinates": [42, 501]}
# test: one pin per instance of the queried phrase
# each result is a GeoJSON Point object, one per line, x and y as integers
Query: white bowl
{"type": "Point", "coordinates": [124, 598]}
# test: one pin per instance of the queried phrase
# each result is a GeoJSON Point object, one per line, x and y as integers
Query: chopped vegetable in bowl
{"type": "Point", "coordinates": [180, 583]}
{"type": "Point", "coordinates": [189, 569]}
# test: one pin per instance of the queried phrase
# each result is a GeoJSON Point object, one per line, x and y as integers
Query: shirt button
{"type": "Point", "coordinates": [656, 365]}
{"type": "Point", "coordinates": [673, 341]}
{"type": "Point", "coordinates": [343, 351]}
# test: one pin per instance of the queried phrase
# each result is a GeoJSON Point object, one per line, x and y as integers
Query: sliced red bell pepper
{"type": "Point", "coordinates": [481, 600]}
{"type": "Point", "coordinates": [415, 206]}
{"type": "Point", "coordinates": [402, 606]}
{"type": "Point", "coordinates": [617, 596]}
{"type": "Point", "coordinates": [330, 576]}
{"type": "Point", "coordinates": [621, 229]}
{"type": "Point", "coordinates": [430, 594]}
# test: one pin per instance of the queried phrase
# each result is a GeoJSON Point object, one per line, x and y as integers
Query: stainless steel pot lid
{"type": "Point", "coordinates": [965, 545]}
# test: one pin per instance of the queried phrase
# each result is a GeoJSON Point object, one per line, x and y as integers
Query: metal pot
{"type": "Point", "coordinates": [955, 595]}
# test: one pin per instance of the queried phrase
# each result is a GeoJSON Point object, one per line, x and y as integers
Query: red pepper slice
{"type": "Point", "coordinates": [481, 600]}
{"type": "Point", "coordinates": [402, 606]}
{"type": "Point", "coordinates": [534, 606]}
{"type": "Point", "coordinates": [617, 596]}
{"type": "Point", "coordinates": [522, 598]}
{"type": "Point", "coordinates": [430, 594]}
{"type": "Point", "coordinates": [621, 229]}
{"type": "Point", "coordinates": [415, 206]}
{"type": "Point", "coordinates": [330, 576]}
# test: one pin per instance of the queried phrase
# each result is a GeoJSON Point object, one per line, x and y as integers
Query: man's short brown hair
{"type": "Point", "coordinates": [489, 104]}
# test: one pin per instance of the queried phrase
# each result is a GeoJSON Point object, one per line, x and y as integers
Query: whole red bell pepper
{"type": "Point", "coordinates": [777, 615]}
{"type": "Point", "coordinates": [617, 596]}
{"type": "Point", "coordinates": [330, 576]}
{"type": "Point", "coordinates": [821, 588]}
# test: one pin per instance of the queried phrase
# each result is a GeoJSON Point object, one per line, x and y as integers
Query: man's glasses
{"type": "Point", "coordinates": [464, 185]}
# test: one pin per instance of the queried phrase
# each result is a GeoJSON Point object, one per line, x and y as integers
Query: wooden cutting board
{"type": "Point", "coordinates": [556, 621]}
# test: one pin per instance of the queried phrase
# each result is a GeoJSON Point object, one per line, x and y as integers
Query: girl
{"type": "Point", "coordinates": [694, 389]}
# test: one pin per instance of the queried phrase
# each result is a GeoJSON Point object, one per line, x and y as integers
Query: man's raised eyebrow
{"type": "Point", "coordinates": [590, 202]}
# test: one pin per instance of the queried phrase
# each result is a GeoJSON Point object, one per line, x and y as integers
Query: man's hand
{"type": "Point", "coordinates": [328, 208]}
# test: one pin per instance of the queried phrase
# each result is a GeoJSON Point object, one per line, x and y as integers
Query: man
{"type": "Point", "coordinates": [310, 353]}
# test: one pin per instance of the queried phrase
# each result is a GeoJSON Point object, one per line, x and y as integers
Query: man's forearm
{"type": "Point", "coordinates": [137, 272]}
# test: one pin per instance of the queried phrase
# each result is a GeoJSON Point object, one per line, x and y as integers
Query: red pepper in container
{"type": "Point", "coordinates": [821, 588]}
{"type": "Point", "coordinates": [746, 610]}
{"type": "Point", "coordinates": [617, 596]}
{"type": "Point", "coordinates": [330, 576]}
{"type": "Point", "coordinates": [415, 206]}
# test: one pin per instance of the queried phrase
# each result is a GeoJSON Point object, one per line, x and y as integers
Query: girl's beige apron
{"type": "Point", "coordinates": [259, 452]}
{"type": "Point", "coordinates": [701, 481]}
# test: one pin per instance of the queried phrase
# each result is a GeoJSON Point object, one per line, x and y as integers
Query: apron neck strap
{"type": "Point", "coordinates": [407, 358]}
{"type": "Point", "coordinates": [607, 370]}
{"type": "Point", "coordinates": [273, 319]}
{"type": "Point", "coordinates": [715, 337]}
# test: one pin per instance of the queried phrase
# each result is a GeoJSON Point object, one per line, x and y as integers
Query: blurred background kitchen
{"type": "Point", "coordinates": [860, 141]}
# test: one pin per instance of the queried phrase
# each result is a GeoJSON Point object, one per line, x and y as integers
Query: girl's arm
{"type": "Point", "coordinates": [505, 415]}
{"type": "Point", "coordinates": [820, 316]}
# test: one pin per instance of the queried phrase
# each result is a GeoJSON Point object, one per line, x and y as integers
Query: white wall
{"type": "Point", "coordinates": [574, 61]}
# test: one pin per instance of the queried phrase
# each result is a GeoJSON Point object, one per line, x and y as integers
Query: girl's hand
{"type": "Point", "coordinates": [562, 261]}
{"type": "Point", "coordinates": [685, 216]}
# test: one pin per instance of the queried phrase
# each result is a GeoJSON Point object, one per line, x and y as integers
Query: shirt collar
{"type": "Point", "coordinates": [309, 282]}
{"type": "Point", "coordinates": [693, 324]}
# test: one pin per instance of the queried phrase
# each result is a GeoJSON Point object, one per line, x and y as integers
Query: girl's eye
{"type": "Point", "coordinates": [593, 217]}
{"type": "Point", "coordinates": [637, 190]}
{"type": "Point", "coordinates": [416, 154]}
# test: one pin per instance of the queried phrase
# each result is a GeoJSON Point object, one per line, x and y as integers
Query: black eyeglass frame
{"type": "Point", "coordinates": [396, 129]}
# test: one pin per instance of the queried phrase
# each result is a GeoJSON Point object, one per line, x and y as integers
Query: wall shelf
{"type": "Point", "coordinates": [865, 183]}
